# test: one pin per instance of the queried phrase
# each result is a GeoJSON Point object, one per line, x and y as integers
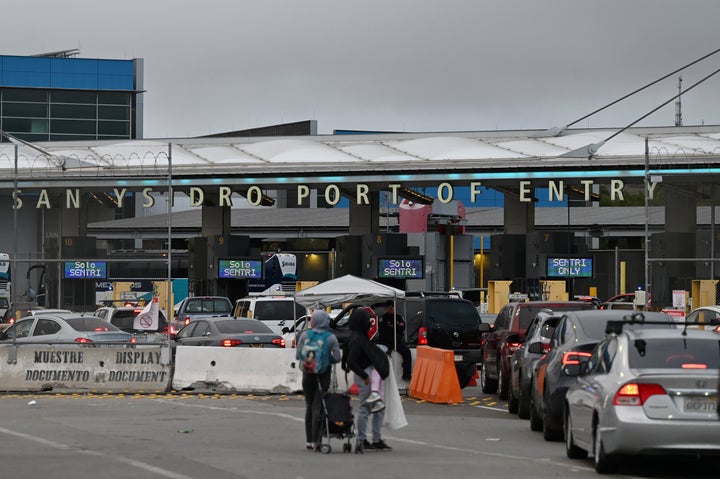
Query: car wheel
{"type": "Point", "coordinates": [572, 451]}
{"type": "Point", "coordinates": [489, 386]}
{"type": "Point", "coordinates": [536, 423]}
{"type": "Point", "coordinates": [464, 377]}
{"type": "Point", "coordinates": [512, 402]}
{"type": "Point", "coordinates": [523, 405]}
{"type": "Point", "coordinates": [549, 433]}
{"type": "Point", "coordinates": [502, 382]}
{"type": "Point", "coordinates": [604, 464]}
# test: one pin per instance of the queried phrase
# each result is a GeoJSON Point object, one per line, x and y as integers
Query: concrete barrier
{"type": "Point", "coordinates": [35, 368]}
{"type": "Point", "coordinates": [66, 367]}
{"type": "Point", "coordinates": [266, 370]}
{"type": "Point", "coordinates": [250, 370]}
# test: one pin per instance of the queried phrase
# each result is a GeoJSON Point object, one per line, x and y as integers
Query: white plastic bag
{"type": "Point", "coordinates": [394, 412]}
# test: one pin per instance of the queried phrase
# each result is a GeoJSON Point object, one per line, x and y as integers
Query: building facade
{"type": "Point", "coordinates": [56, 97]}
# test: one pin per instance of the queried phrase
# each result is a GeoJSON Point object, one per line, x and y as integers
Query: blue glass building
{"type": "Point", "coordinates": [55, 98]}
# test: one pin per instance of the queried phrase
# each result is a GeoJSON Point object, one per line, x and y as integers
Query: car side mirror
{"type": "Point", "coordinates": [536, 348]}
{"type": "Point", "coordinates": [512, 338]}
{"type": "Point", "coordinates": [285, 330]}
{"type": "Point", "coordinates": [484, 328]}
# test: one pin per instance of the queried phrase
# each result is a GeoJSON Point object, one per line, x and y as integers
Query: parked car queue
{"type": "Point", "coordinates": [615, 384]}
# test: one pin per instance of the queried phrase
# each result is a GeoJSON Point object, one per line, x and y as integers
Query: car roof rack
{"type": "Point", "coordinates": [616, 326]}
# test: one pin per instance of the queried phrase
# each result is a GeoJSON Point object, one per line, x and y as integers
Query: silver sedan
{"type": "Point", "coordinates": [85, 330]}
{"type": "Point", "coordinates": [645, 391]}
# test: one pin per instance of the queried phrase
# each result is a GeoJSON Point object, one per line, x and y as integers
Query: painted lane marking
{"type": "Point", "coordinates": [104, 455]}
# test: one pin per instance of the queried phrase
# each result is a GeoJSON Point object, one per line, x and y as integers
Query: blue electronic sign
{"type": "Point", "coordinates": [569, 267]}
{"type": "Point", "coordinates": [239, 269]}
{"type": "Point", "coordinates": [405, 268]}
{"type": "Point", "coordinates": [85, 269]}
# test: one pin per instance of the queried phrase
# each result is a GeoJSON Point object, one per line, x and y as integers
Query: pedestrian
{"type": "Point", "coordinates": [391, 334]}
{"type": "Point", "coordinates": [317, 350]}
{"type": "Point", "coordinates": [363, 357]}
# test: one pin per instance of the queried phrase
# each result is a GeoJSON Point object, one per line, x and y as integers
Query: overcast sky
{"type": "Point", "coordinates": [391, 65]}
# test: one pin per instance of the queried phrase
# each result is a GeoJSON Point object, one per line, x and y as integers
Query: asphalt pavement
{"type": "Point", "coordinates": [204, 436]}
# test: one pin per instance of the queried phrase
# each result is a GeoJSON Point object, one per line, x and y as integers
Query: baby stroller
{"type": "Point", "coordinates": [337, 421]}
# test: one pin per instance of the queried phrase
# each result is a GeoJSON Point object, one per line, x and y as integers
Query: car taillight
{"type": "Point", "coordinates": [279, 341]}
{"type": "Point", "coordinates": [635, 394]}
{"type": "Point", "coordinates": [83, 340]}
{"type": "Point", "coordinates": [229, 343]}
{"type": "Point", "coordinates": [169, 330]}
{"type": "Point", "coordinates": [574, 357]}
{"type": "Point", "coordinates": [133, 340]}
{"type": "Point", "coordinates": [187, 320]}
{"type": "Point", "coordinates": [11, 321]}
{"type": "Point", "coordinates": [422, 336]}
{"type": "Point", "coordinates": [512, 347]}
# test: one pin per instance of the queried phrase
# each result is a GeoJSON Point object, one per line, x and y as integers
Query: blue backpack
{"type": "Point", "coordinates": [315, 352]}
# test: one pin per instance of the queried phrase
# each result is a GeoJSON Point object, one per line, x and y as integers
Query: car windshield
{"type": "Point", "coordinates": [209, 305]}
{"type": "Point", "coordinates": [89, 323]}
{"type": "Point", "coordinates": [454, 313]}
{"type": "Point", "coordinates": [276, 310]}
{"type": "Point", "coordinates": [675, 353]}
{"type": "Point", "coordinates": [235, 326]}
{"type": "Point", "coordinates": [124, 319]}
{"type": "Point", "coordinates": [528, 313]}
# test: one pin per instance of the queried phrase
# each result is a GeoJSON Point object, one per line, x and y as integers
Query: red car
{"type": "Point", "coordinates": [625, 298]}
{"type": "Point", "coordinates": [508, 334]}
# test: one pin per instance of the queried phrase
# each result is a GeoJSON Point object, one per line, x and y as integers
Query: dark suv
{"type": "Point", "coordinates": [446, 322]}
{"type": "Point", "coordinates": [508, 334]}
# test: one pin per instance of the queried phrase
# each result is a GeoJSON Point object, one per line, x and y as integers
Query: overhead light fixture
{"type": "Point", "coordinates": [415, 196]}
{"type": "Point", "coordinates": [266, 200]}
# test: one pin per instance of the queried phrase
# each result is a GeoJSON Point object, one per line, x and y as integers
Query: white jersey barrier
{"type": "Point", "coordinates": [68, 367]}
{"type": "Point", "coordinates": [35, 368]}
{"type": "Point", "coordinates": [261, 370]}
{"type": "Point", "coordinates": [250, 370]}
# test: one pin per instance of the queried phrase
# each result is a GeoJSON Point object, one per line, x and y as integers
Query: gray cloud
{"type": "Point", "coordinates": [399, 65]}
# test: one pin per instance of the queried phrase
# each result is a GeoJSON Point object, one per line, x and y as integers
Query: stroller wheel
{"type": "Point", "coordinates": [325, 448]}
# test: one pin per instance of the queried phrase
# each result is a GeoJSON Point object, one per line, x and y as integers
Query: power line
{"type": "Point", "coordinates": [643, 88]}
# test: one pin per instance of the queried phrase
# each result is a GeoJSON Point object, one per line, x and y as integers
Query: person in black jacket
{"type": "Point", "coordinates": [391, 333]}
{"type": "Point", "coordinates": [363, 355]}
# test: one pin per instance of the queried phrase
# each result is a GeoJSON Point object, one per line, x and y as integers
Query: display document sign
{"type": "Point", "coordinates": [85, 269]}
{"type": "Point", "coordinates": [239, 269]}
{"type": "Point", "coordinates": [569, 267]}
{"type": "Point", "coordinates": [401, 268]}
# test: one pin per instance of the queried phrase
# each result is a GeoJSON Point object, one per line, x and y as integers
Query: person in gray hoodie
{"type": "Point", "coordinates": [316, 384]}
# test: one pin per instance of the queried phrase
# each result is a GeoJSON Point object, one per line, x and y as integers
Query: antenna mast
{"type": "Point", "coordinates": [678, 105]}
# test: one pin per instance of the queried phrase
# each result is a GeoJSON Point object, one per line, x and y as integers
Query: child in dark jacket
{"type": "Point", "coordinates": [363, 357]}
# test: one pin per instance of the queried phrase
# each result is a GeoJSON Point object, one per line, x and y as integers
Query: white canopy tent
{"type": "Point", "coordinates": [346, 289]}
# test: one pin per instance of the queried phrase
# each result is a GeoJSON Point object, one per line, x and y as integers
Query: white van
{"type": "Point", "coordinates": [277, 312]}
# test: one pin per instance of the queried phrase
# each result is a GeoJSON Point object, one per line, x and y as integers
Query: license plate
{"type": "Point", "coordinates": [458, 358]}
{"type": "Point", "coordinates": [700, 404]}
{"type": "Point", "coordinates": [259, 345]}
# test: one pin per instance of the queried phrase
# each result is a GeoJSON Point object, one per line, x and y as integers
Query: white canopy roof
{"type": "Point", "coordinates": [346, 289]}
